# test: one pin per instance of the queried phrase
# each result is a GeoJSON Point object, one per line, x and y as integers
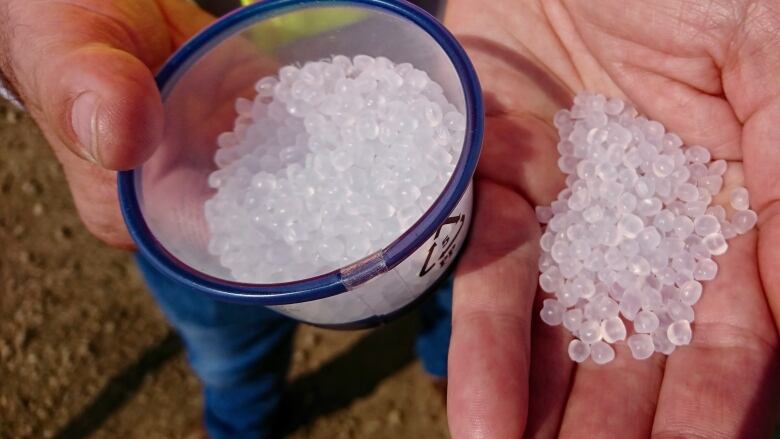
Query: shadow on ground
{"type": "Point", "coordinates": [349, 376]}
{"type": "Point", "coordinates": [121, 388]}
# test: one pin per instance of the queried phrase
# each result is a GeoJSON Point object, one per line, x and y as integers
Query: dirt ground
{"type": "Point", "coordinates": [85, 352]}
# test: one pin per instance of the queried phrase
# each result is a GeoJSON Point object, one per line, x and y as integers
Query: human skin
{"type": "Point", "coordinates": [84, 70]}
{"type": "Point", "coordinates": [704, 69]}
{"type": "Point", "coordinates": [708, 71]}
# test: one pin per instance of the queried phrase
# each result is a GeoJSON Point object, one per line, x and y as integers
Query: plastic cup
{"type": "Point", "coordinates": [162, 200]}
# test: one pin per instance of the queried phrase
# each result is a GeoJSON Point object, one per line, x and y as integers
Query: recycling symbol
{"type": "Point", "coordinates": [446, 246]}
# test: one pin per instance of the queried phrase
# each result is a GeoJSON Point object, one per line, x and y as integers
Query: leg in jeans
{"type": "Point", "coordinates": [433, 342]}
{"type": "Point", "coordinates": [239, 352]}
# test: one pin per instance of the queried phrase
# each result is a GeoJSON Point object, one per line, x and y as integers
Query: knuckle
{"type": "Point", "coordinates": [108, 232]}
{"type": "Point", "coordinates": [98, 209]}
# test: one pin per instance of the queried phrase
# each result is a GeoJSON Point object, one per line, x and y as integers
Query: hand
{"type": "Point", "coordinates": [84, 69]}
{"type": "Point", "coordinates": [708, 71]}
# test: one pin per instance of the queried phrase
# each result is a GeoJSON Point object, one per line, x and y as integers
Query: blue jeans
{"type": "Point", "coordinates": [241, 353]}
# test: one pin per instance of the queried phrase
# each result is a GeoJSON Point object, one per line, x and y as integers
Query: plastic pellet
{"type": "Point", "coordinates": [552, 312]}
{"type": "Point", "coordinates": [613, 330]}
{"type": "Point", "coordinates": [645, 322]}
{"type": "Point", "coordinates": [320, 164]}
{"type": "Point", "coordinates": [743, 221]}
{"type": "Point", "coordinates": [679, 333]}
{"type": "Point", "coordinates": [572, 319]}
{"type": "Point", "coordinates": [641, 346]}
{"type": "Point", "coordinates": [590, 331]}
{"type": "Point", "coordinates": [578, 351]}
{"type": "Point", "coordinates": [739, 198]}
{"type": "Point", "coordinates": [690, 292]}
{"type": "Point", "coordinates": [633, 235]}
{"type": "Point", "coordinates": [661, 342]}
{"type": "Point", "coordinates": [601, 353]}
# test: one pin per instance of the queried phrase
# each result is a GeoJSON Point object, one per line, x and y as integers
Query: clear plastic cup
{"type": "Point", "coordinates": [162, 200]}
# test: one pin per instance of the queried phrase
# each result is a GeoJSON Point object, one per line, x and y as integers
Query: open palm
{"type": "Point", "coordinates": [707, 70]}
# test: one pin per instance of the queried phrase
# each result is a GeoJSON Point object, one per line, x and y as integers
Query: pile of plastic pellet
{"type": "Point", "coordinates": [632, 236]}
{"type": "Point", "coordinates": [329, 163]}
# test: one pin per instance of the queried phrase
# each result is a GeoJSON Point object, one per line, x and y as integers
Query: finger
{"type": "Point", "coordinates": [754, 90]}
{"type": "Point", "coordinates": [550, 380]}
{"type": "Point", "coordinates": [493, 293]}
{"type": "Point", "coordinates": [615, 399]}
{"type": "Point", "coordinates": [82, 76]}
{"type": "Point", "coordinates": [184, 19]}
{"type": "Point", "coordinates": [723, 384]}
{"type": "Point", "coordinates": [84, 68]}
{"type": "Point", "coordinates": [94, 194]}
{"type": "Point", "coordinates": [762, 161]}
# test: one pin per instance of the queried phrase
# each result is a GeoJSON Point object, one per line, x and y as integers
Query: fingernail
{"type": "Point", "coordinates": [84, 122]}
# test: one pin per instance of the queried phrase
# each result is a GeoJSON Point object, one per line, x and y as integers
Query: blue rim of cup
{"type": "Point", "coordinates": [331, 283]}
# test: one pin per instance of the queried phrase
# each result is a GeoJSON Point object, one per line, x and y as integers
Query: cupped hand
{"type": "Point", "coordinates": [84, 69]}
{"type": "Point", "coordinates": [708, 71]}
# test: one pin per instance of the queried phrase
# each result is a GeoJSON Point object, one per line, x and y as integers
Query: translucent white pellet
{"type": "Point", "coordinates": [663, 166]}
{"type": "Point", "coordinates": [698, 154]}
{"type": "Point", "coordinates": [630, 305]}
{"type": "Point", "coordinates": [641, 346]}
{"type": "Point", "coordinates": [706, 269]}
{"type": "Point", "coordinates": [743, 221]}
{"type": "Point", "coordinates": [590, 331]}
{"type": "Point", "coordinates": [605, 308]}
{"type": "Point", "coordinates": [690, 292]}
{"type": "Point", "coordinates": [679, 311]}
{"type": "Point", "coordinates": [679, 333]}
{"type": "Point", "coordinates": [632, 236]}
{"type": "Point", "coordinates": [560, 251]}
{"type": "Point", "coordinates": [318, 170]}
{"type": "Point", "coordinates": [645, 322]}
{"type": "Point", "coordinates": [718, 212]}
{"type": "Point", "coordinates": [601, 353]}
{"type": "Point", "coordinates": [713, 183]}
{"type": "Point", "coordinates": [552, 312]}
{"type": "Point", "coordinates": [718, 167]}
{"type": "Point", "coordinates": [664, 221]}
{"type": "Point", "coordinates": [649, 238]}
{"type": "Point", "coordinates": [683, 226]}
{"type": "Point", "coordinates": [739, 198]}
{"type": "Point", "coordinates": [613, 330]}
{"type": "Point", "coordinates": [630, 225]}
{"type": "Point", "coordinates": [543, 214]}
{"type": "Point", "coordinates": [716, 244]}
{"type": "Point", "coordinates": [687, 192]}
{"type": "Point", "coordinates": [644, 187]}
{"type": "Point", "coordinates": [706, 225]}
{"type": "Point", "coordinates": [661, 342]}
{"type": "Point", "coordinates": [572, 319]}
{"type": "Point", "coordinates": [593, 214]}
{"type": "Point", "coordinates": [579, 351]}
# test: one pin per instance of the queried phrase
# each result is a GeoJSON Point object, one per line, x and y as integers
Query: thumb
{"type": "Point", "coordinates": [105, 105]}
{"type": "Point", "coordinates": [84, 69]}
